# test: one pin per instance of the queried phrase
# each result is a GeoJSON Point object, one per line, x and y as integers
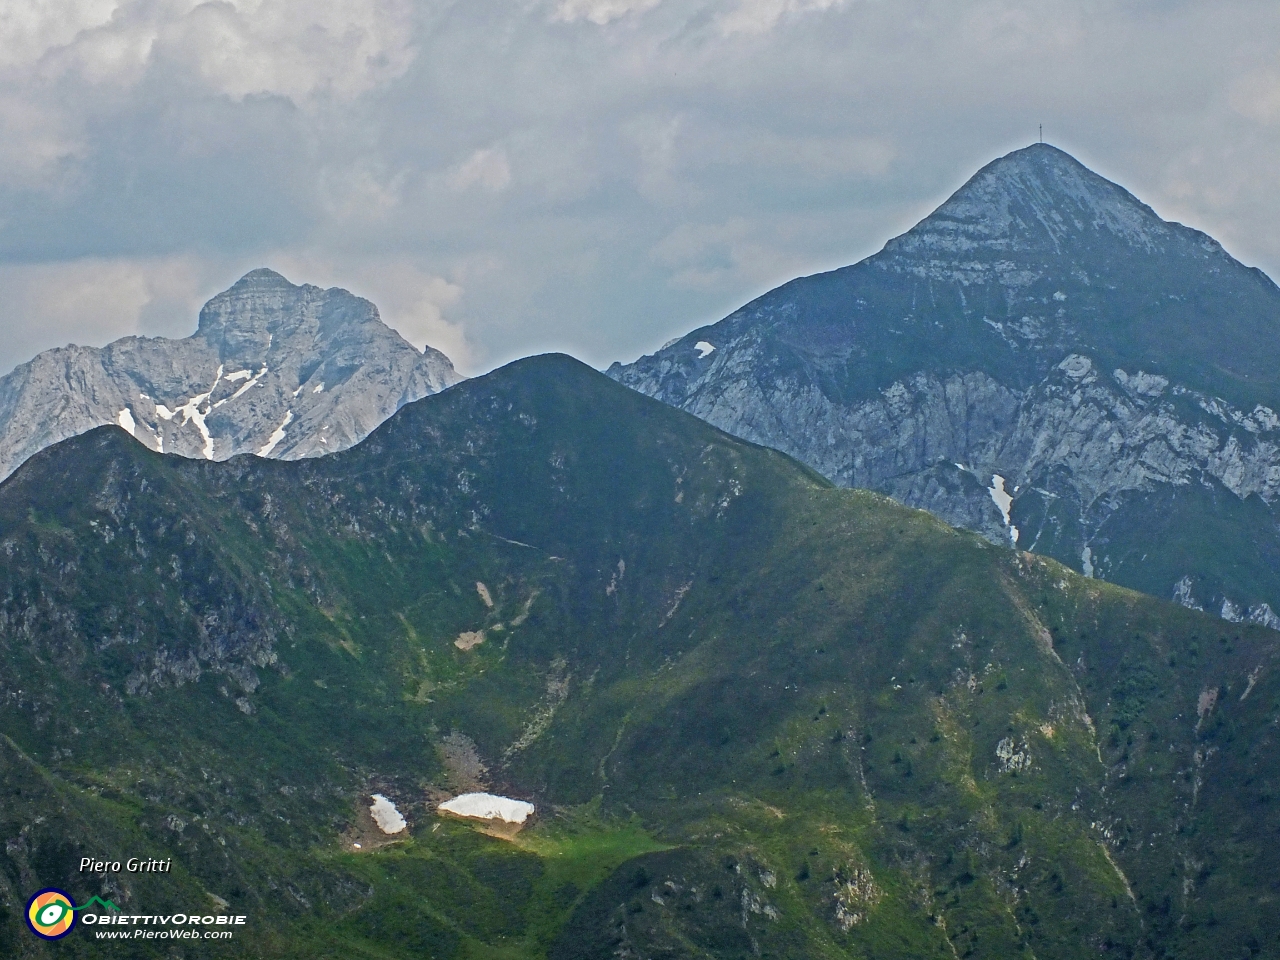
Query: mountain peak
{"type": "Point", "coordinates": [1035, 197]}
{"type": "Point", "coordinates": [274, 368]}
{"type": "Point", "coordinates": [1042, 154]}
{"type": "Point", "coordinates": [248, 302]}
{"type": "Point", "coordinates": [263, 276]}
{"type": "Point", "coordinates": [263, 303]}
{"type": "Point", "coordinates": [1041, 354]}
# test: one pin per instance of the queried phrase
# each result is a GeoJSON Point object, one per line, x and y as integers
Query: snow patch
{"type": "Point", "coordinates": [1086, 562]}
{"type": "Point", "coordinates": [248, 383]}
{"type": "Point", "coordinates": [319, 388]}
{"type": "Point", "coordinates": [704, 349]}
{"type": "Point", "coordinates": [1003, 501]}
{"type": "Point", "coordinates": [298, 391]}
{"type": "Point", "coordinates": [238, 375]}
{"type": "Point", "coordinates": [486, 806]}
{"type": "Point", "coordinates": [125, 419]}
{"type": "Point", "coordinates": [163, 412]}
{"type": "Point", "coordinates": [385, 815]}
{"type": "Point", "coordinates": [191, 413]}
{"type": "Point", "coordinates": [276, 437]}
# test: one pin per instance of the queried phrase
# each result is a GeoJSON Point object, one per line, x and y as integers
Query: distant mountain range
{"type": "Point", "coordinates": [757, 715]}
{"type": "Point", "coordinates": [1043, 360]}
{"type": "Point", "coordinates": [273, 369]}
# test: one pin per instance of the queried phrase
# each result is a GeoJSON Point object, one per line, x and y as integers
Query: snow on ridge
{"type": "Point", "coordinates": [486, 806]}
{"type": "Point", "coordinates": [277, 436]}
{"type": "Point", "coordinates": [191, 413]}
{"type": "Point", "coordinates": [125, 419]}
{"type": "Point", "coordinates": [73, 390]}
{"type": "Point", "coordinates": [386, 816]}
{"type": "Point", "coordinates": [704, 349]}
{"type": "Point", "coordinates": [252, 381]}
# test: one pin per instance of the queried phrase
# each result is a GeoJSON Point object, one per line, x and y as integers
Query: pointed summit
{"type": "Point", "coordinates": [1042, 359]}
{"type": "Point", "coordinates": [1035, 198]}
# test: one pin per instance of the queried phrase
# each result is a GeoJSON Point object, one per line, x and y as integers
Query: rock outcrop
{"type": "Point", "coordinates": [274, 369]}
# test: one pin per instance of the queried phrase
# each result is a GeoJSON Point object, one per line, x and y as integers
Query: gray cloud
{"type": "Point", "coordinates": [590, 175]}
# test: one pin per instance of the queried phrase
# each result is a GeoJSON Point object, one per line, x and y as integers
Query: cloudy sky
{"type": "Point", "coordinates": [505, 177]}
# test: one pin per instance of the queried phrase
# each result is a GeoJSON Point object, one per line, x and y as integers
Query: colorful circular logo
{"type": "Point", "coordinates": [51, 914]}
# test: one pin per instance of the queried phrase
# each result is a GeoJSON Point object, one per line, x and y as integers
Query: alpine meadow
{"type": "Point", "coordinates": [756, 714]}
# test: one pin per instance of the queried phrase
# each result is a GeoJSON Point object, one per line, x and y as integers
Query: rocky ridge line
{"type": "Point", "coordinates": [274, 369]}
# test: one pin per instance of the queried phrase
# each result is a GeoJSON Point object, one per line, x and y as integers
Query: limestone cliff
{"type": "Point", "coordinates": [273, 369]}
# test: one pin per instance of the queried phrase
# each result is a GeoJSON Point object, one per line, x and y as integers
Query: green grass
{"type": "Point", "coordinates": [794, 695]}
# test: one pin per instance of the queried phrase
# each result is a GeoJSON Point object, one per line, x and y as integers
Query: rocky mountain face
{"type": "Point", "coordinates": [1043, 360]}
{"type": "Point", "coordinates": [274, 369]}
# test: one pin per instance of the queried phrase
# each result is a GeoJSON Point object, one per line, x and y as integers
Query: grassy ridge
{"type": "Point", "coordinates": [759, 716]}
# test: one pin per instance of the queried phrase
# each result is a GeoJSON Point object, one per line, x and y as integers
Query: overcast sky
{"type": "Point", "coordinates": [504, 177]}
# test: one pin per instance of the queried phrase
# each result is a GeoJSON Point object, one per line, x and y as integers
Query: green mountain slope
{"type": "Point", "coordinates": [759, 716]}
